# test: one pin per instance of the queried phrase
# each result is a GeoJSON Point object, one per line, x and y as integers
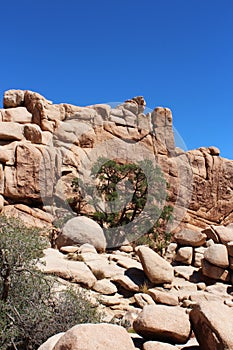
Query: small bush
{"type": "Point", "coordinates": [30, 308]}
{"type": "Point", "coordinates": [99, 274]}
{"type": "Point", "coordinates": [144, 288]}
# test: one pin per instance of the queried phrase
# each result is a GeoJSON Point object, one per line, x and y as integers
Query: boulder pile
{"type": "Point", "coordinates": [167, 306]}
{"type": "Point", "coordinates": [210, 249]}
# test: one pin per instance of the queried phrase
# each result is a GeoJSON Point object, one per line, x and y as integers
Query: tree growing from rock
{"type": "Point", "coordinates": [126, 194]}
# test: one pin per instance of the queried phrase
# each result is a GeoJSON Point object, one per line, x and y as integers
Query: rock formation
{"type": "Point", "coordinates": [189, 310]}
{"type": "Point", "coordinates": [169, 301]}
{"type": "Point", "coordinates": [45, 145]}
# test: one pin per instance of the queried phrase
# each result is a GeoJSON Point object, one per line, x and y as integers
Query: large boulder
{"type": "Point", "coordinates": [10, 131]}
{"type": "Point", "coordinates": [33, 133]}
{"type": "Point", "coordinates": [189, 237]}
{"type": "Point", "coordinates": [143, 299]}
{"type": "Point", "coordinates": [217, 255]}
{"type": "Point", "coordinates": [80, 230]}
{"type": "Point", "coordinates": [162, 122]}
{"type": "Point", "coordinates": [157, 269]}
{"type": "Point", "coordinates": [44, 113]}
{"type": "Point", "coordinates": [16, 115]}
{"type": "Point", "coordinates": [184, 255]}
{"type": "Point", "coordinates": [32, 175]}
{"type": "Point", "coordinates": [104, 286]}
{"type": "Point", "coordinates": [215, 272]}
{"type": "Point", "coordinates": [95, 336]}
{"type": "Point", "coordinates": [126, 282]}
{"type": "Point", "coordinates": [13, 98]}
{"type": "Point", "coordinates": [163, 323]}
{"type": "Point", "coordinates": [225, 233]}
{"type": "Point", "coordinates": [212, 325]}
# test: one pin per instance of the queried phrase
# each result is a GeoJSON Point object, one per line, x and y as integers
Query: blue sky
{"type": "Point", "coordinates": [176, 53]}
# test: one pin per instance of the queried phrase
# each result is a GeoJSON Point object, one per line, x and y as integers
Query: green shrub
{"type": "Point", "coordinates": [31, 310]}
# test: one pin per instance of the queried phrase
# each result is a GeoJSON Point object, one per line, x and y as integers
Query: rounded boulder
{"type": "Point", "coordinates": [81, 230]}
{"type": "Point", "coordinates": [95, 336]}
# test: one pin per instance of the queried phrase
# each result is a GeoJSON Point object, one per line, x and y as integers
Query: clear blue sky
{"type": "Point", "coordinates": [176, 53]}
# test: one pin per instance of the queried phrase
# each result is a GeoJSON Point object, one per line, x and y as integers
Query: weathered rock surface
{"type": "Point", "coordinates": [155, 267]}
{"type": "Point", "coordinates": [55, 263]}
{"type": "Point", "coordinates": [102, 268]}
{"type": "Point", "coordinates": [163, 323]}
{"type": "Point", "coordinates": [126, 262]}
{"type": "Point", "coordinates": [11, 131]}
{"type": "Point", "coordinates": [184, 255]}
{"type": "Point", "coordinates": [1, 202]}
{"type": "Point", "coordinates": [212, 188]}
{"type": "Point", "coordinates": [95, 336]}
{"type": "Point", "coordinates": [105, 287]}
{"type": "Point", "coordinates": [225, 233]}
{"type": "Point", "coordinates": [13, 98]}
{"type": "Point", "coordinates": [33, 133]}
{"type": "Point", "coordinates": [198, 256]}
{"type": "Point", "coordinates": [82, 230]}
{"type": "Point", "coordinates": [190, 238]}
{"type": "Point", "coordinates": [210, 322]}
{"type": "Point", "coordinates": [16, 115]}
{"type": "Point", "coordinates": [220, 289]}
{"type": "Point", "coordinates": [143, 299]}
{"type": "Point", "coordinates": [161, 297]}
{"type": "Point", "coordinates": [126, 282]}
{"type": "Point", "coordinates": [31, 175]}
{"type": "Point", "coordinates": [86, 248]}
{"type": "Point", "coordinates": [29, 216]}
{"type": "Point", "coordinates": [215, 272]}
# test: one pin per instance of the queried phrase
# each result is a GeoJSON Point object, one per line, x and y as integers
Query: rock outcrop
{"type": "Point", "coordinates": [43, 146]}
{"type": "Point", "coordinates": [212, 188]}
